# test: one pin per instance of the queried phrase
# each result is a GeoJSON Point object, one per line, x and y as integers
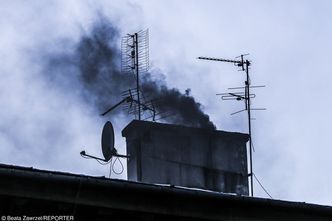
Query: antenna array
{"type": "Point", "coordinates": [135, 60]}
{"type": "Point", "coordinates": [245, 96]}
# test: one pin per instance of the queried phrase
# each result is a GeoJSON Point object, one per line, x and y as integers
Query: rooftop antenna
{"type": "Point", "coordinates": [246, 96]}
{"type": "Point", "coordinates": [135, 59]}
{"type": "Point", "coordinates": [107, 146]}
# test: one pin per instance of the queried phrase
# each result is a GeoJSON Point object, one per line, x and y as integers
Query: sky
{"type": "Point", "coordinates": [45, 124]}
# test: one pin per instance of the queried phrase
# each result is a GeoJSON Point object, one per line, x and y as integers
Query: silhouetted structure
{"type": "Point", "coordinates": [31, 192]}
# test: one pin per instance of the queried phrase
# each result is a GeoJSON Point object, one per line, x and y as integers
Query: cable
{"type": "Point", "coordinates": [100, 162]}
{"type": "Point", "coordinates": [85, 157]}
{"type": "Point", "coordinates": [122, 167]}
{"type": "Point", "coordinates": [252, 144]}
{"type": "Point", "coordinates": [110, 174]}
{"type": "Point", "coordinates": [111, 162]}
{"type": "Point", "coordinates": [262, 186]}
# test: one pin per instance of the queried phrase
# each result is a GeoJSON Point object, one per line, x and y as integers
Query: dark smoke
{"type": "Point", "coordinates": [186, 110]}
{"type": "Point", "coordinates": [93, 66]}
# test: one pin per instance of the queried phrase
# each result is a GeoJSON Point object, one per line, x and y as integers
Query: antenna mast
{"type": "Point", "coordinates": [135, 62]}
{"type": "Point", "coordinates": [246, 96]}
{"type": "Point", "coordinates": [135, 59]}
{"type": "Point", "coordinates": [135, 39]}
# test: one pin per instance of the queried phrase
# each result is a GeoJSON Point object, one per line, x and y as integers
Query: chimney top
{"type": "Point", "coordinates": [141, 126]}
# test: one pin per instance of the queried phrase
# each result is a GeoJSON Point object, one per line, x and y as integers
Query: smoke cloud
{"type": "Point", "coordinates": [93, 66]}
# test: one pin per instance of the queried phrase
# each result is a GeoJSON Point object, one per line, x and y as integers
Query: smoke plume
{"type": "Point", "coordinates": [93, 66]}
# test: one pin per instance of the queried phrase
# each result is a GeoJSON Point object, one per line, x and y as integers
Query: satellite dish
{"type": "Point", "coordinates": [107, 141]}
{"type": "Point", "coordinates": [107, 145]}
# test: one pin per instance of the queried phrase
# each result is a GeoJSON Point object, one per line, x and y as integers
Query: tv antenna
{"type": "Point", "coordinates": [108, 149]}
{"type": "Point", "coordinates": [245, 96]}
{"type": "Point", "coordinates": [135, 60]}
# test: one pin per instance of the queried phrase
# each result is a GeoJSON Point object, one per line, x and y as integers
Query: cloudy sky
{"type": "Point", "coordinates": [45, 125]}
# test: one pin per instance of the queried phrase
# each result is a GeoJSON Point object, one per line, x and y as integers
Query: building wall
{"type": "Point", "coordinates": [189, 157]}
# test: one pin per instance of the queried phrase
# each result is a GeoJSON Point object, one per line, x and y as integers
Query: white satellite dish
{"type": "Point", "coordinates": [107, 141]}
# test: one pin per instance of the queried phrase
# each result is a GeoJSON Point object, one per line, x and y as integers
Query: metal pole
{"type": "Point", "coordinates": [249, 125]}
{"type": "Point", "coordinates": [137, 75]}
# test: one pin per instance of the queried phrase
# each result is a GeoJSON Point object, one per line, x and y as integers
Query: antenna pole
{"type": "Point", "coordinates": [247, 94]}
{"type": "Point", "coordinates": [137, 74]}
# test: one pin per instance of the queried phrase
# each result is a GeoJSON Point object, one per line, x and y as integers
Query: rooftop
{"type": "Point", "coordinates": [25, 190]}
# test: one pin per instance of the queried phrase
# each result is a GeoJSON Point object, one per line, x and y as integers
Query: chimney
{"type": "Point", "coordinates": [186, 156]}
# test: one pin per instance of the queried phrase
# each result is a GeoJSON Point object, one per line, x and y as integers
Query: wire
{"type": "Point", "coordinates": [110, 174]}
{"type": "Point", "coordinates": [262, 186]}
{"type": "Point", "coordinates": [111, 162]}
{"type": "Point", "coordinates": [122, 167]}
{"type": "Point", "coordinates": [252, 144]}
{"type": "Point", "coordinates": [85, 157]}
{"type": "Point", "coordinates": [100, 162]}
